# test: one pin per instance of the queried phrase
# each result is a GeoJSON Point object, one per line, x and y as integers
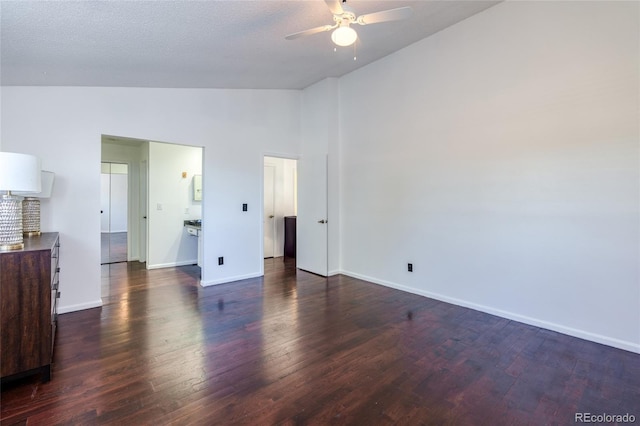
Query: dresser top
{"type": "Point", "coordinates": [42, 242]}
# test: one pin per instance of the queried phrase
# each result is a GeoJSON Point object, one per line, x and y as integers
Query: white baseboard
{"type": "Point", "coordinates": [226, 280]}
{"type": "Point", "coordinates": [582, 334]}
{"type": "Point", "coordinates": [172, 264]}
{"type": "Point", "coordinates": [79, 307]}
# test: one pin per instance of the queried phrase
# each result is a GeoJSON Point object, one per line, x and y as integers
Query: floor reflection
{"type": "Point", "coordinates": [113, 247]}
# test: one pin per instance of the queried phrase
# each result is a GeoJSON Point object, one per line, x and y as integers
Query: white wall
{"type": "Point", "coordinates": [500, 157]}
{"type": "Point", "coordinates": [63, 126]}
{"type": "Point", "coordinates": [171, 203]}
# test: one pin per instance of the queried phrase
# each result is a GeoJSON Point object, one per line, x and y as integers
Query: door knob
{"type": "Point", "coordinates": [270, 216]}
{"type": "Point", "coordinates": [323, 221]}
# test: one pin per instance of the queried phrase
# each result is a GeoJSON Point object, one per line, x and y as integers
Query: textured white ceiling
{"type": "Point", "coordinates": [199, 44]}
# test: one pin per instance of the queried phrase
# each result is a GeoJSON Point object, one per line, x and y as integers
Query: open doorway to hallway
{"type": "Point", "coordinates": [164, 193]}
{"type": "Point", "coordinates": [280, 206]}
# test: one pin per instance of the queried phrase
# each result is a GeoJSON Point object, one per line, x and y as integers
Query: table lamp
{"type": "Point", "coordinates": [31, 205]}
{"type": "Point", "coordinates": [18, 172]}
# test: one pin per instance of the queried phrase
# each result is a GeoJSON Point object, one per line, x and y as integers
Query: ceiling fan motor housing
{"type": "Point", "coordinates": [347, 15]}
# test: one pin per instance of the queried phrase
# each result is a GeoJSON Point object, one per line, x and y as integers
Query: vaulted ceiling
{"type": "Point", "coordinates": [199, 44]}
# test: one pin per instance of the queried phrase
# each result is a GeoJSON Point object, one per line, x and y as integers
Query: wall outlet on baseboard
{"type": "Point", "coordinates": [410, 267]}
{"type": "Point", "coordinates": [221, 260]}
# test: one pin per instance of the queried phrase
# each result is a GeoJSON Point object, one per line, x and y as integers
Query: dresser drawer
{"type": "Point", "coordinates": [55, 262]}
{"type": "Point", "coordinates": [54, 304]}
{"type": "Point", "coordinates": [55, 278]}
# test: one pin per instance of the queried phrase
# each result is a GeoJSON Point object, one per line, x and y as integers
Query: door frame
{"type": "Point", "coordinates": [143, 210]}
{"type": "Point", "coordinates": [273, 203]}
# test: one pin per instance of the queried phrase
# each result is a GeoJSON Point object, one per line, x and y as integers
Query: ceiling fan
{"type": "Point", "coordinates": [344, 16]}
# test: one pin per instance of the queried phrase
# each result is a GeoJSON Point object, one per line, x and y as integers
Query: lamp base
{"type": "Point", "coordinates": [31, 216]}
{"type": "Point", "coordinates": [7, 247]}
{"type": "Point", "coordinates": [10, 223]}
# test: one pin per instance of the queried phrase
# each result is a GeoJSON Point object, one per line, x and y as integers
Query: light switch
{"type": "Point", "coordinates": [184, 175]}
{"type": "Point", "coordinates": [159, 206]}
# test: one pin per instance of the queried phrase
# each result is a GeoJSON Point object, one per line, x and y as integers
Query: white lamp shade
{"type": "Point", "coordinates": [19, 172]}
{"type": "Point", "coordinates": [344, 36]}
{"type": "Point", "coordinates": [46, 184]}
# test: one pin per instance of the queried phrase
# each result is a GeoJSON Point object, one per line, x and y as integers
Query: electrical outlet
{"type": "Point", "coordinates": [244, 207]}
{"type": "Point", "coordinates": [221, 260]}
{"type": "Point", "coordinates": [410, 267]}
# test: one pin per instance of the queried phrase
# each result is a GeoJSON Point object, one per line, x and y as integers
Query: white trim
{"type": "Point", "coordinates": [230, 279]}
{"type": "Point", "coordinates": [79, 307]}
{"type": "Point", "coordinates": [582, 334]}
{"type": "Point", "coordinates": [173, 264]}
{"type": "Point", "coordinates": [280, 155]}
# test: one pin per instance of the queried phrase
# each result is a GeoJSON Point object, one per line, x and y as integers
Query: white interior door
{"type": "Point", "coordinates": [119, 202]}
{"type": "Point", "coordinates": [312, 225]}
{"type": "Point", "coordinates": [105, 195]}
{"type": "Point", "coordinates": [143, 211]}
{"type": "Point", "coordinates": [269, 210]}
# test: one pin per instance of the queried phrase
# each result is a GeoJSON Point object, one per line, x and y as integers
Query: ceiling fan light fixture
{"type": "Point", "coordinates": [344, 35]}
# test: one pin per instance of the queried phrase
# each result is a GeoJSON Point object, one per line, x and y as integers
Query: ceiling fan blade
{"type": "Point", "coordinates": [385, 15]}
{"type": "Point", "coordinates": [335, 6]}
{"type": "Point", "coordinates": [309, 32]}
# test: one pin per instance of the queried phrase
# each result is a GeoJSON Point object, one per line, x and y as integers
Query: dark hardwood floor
{"type": "Point", "coordinates": [295, 348]}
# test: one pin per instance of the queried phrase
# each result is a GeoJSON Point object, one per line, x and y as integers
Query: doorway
{"type": "Point", "coordinates": [114, 194]}
{"type": "Point", "coordinates": [280, 204]}
{"type": "Point", "coordinates": [161, 199]}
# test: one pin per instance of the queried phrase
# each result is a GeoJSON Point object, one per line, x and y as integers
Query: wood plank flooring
{"type": "Point", "coordinates": [295, 348]}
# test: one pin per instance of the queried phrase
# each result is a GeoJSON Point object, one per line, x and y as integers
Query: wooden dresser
{"type": "Point", "coordinates": [29, 282]}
